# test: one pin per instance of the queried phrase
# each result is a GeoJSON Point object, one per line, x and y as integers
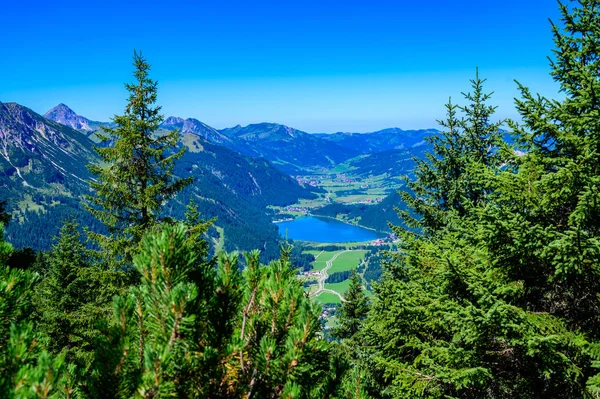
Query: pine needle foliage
{"type": "Point", "coordinates": [225, 333]}
{"type": "Point", "coordinates": [497, 294]}
{"type": "Point", "coordinates": [73, 295]}
{"type": "Point", "coordinates": [27, 370]}
{"type": "Point", "coordinates": [135, 177]}
{"type": "Point", "coordinates": [470, 138]}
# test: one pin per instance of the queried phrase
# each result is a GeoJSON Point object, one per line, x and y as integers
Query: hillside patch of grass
{"type": "Point", "coordinates": [347, 261]}
{"type": "Point", "coordinates": [322, 260]}
{"type": "Point", "coordinates": [327, 297]}
{"type": "Point", "coordinates": [340, 287]}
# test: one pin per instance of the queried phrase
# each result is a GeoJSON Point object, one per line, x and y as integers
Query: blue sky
{"type": "Point", "coordinates": [320, 66]}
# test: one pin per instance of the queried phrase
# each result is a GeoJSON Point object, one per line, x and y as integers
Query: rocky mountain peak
{"type": "Point", "coordinates": [172, 121]}
{"type": "Point", "coordinates": [66, 116]}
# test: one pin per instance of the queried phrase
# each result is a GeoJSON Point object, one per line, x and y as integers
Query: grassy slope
{"type": "Point", "coordinates": [339, 287]}
{"type": "Point", "coordinates": [347, 261]}
{"type": "Point", "coordinates": [327, 297]}
{"type": "Point", "coordinates": [321, 261]}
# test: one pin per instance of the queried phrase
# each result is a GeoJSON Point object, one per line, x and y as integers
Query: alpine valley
{"type": "Point", "coordinates": [245, 177]}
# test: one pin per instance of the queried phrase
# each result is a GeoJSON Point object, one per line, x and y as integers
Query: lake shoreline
{"type": "Point", "coordinates": [326, 230]}
{"type": "Point", "coordinates": [332, 218]}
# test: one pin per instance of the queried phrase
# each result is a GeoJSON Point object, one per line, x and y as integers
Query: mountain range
{"type": "Point", "coordinates": [291, 150]}
{"type": "Point", "coordinates": [44, 176]}
{"type": "Point", "coordinates": [238, 171]}
{"type": "Point", "coordinates": [382, 140]}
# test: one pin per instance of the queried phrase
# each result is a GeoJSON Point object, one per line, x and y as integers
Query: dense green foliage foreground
{"type": "Point", "coordinates": [187, 329]}
{"type": "Point", "coordinates": [493, 291]}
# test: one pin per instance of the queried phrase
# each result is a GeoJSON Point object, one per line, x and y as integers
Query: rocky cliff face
{"type": "Point", "coordinates": [35, 150]}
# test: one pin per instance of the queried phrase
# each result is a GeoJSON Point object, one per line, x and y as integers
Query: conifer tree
{"type": "Point", "coordinates": [353, 310]}
{"type": "Point", "coordinates": [443, 182]}
{"type": "Point", "coordinates": [253, 336]}
{"type": "Point", "coordinates": [136, 174]}
{"type": "Point", "coordinates": [27, 370]}
{"type": "Point", "coordinates": [345, 354]}
{"type": "Point", "coordinates": [73, 295]}
{"type": "Point", "coordinates": [500, 300]}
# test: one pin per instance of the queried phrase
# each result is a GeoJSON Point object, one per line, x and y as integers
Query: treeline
{"type": "Point", "coordinates": [338, 277]}
{"type": "Point", "coordinates": [374, 261]}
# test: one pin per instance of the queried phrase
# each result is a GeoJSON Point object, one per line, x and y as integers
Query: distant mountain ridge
{"type": "Point", "coordinates": [290, 149]}
{"type": "Point", "coordinates": [212, 135]}
{"type": "Point", "coordinates": [379, 141]}
{"type": "Point", "coordinates": [191, 125]}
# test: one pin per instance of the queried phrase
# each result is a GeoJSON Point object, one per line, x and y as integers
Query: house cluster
{"type": "Point", "coordinates": [341, 177]}
{"type": "Point", "coordinates": [327, 312]}
{"type": "Point", "coordinates": [370, 201]}
{"type": "Point", "coordinates": [310, 182]}
{"type": "Point", "coordinates": [313, 273]}
{"type": "Point", "coordinates": [300, 209]}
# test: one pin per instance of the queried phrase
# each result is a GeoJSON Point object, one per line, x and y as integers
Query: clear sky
{"type": "Point", "coordinates": [320, 66]}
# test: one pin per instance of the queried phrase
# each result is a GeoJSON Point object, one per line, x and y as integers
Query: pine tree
{"type": "Point", "coordinates": [353, 310]}
{"type": "Point", "coordinates": [136, 176]}
{"type": "Point", "coordinates": [27, 370]}
{"type": "Point", "coordinates": [253, 333]}
{"type": "Point", "coordinates": [73, 296]}
{"type": "Point", "coordinates": [500, 299]}
{"type": "Point", "coordinates": [443, 180]}
{"type": "Point", "coordinates": [345, 354]}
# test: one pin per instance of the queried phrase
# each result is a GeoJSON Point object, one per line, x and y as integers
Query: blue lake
{"type": "Point", "coordinates": [315, 229]}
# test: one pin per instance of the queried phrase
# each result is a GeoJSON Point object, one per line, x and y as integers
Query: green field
{"type": "Point", "coordinates": [331, 322]}
{"type": "Point", "coordinates": [346, 261]}
{"type": "Point", "coordinates": [327, 297]}
{"type": "Point", "coordinates": [321, 260]}
{"type": "Point", "coordinates": [341, 287]}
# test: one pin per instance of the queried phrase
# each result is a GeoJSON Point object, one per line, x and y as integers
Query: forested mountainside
{"type": "Point", "coordinates": [389, 162]}
{"type": "Point", "coordinates": [45, 176]}
{"type": "Point", "coordinates": [236, 189]}
{"type": "Point", "coordinates": [289, 149]}
{"type": "Point", "coordinates": [43, 167]}
{"type": "Point", "coordinates": [382, 140]}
